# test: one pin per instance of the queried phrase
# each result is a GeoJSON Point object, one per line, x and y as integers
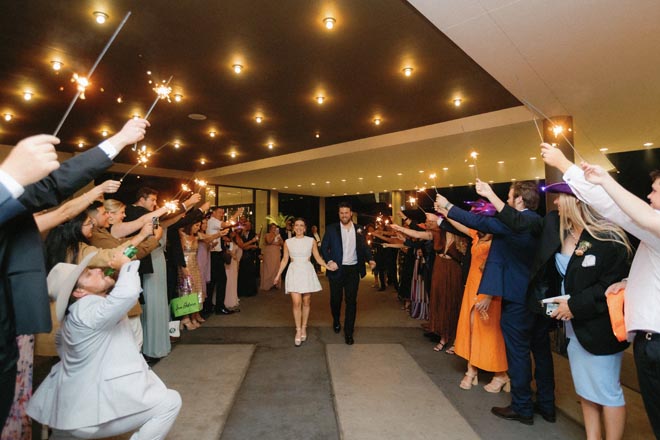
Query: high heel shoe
{"type": "Point", "coordinates": [498, 384]}
{"type": "Point", "coordinates": [196, 323]}
{"type": "Point", "coordinates": [297, 340]}
{"type": "Point", "coordinates": [440, 346]}
{"type": "Point", "coordinates": [469, 380]}
{"type": "Point", "coordinates": [303, 333]}
{"type": "Point", "coordinates": [188, 325]}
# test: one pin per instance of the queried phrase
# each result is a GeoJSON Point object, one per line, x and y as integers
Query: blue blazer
{"type": "Point", "coordinates": [9, 206]}
{"type": "Point", "coordinates": [332, 250]}
{"type": "Point", "coordinates": [507, 268]}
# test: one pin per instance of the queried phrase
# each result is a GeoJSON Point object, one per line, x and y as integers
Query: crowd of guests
{"type": "Point", "coordinates": [490, 285]}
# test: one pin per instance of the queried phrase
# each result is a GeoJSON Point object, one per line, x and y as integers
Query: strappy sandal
{"type": "Point", "coordinates": [439, 347]}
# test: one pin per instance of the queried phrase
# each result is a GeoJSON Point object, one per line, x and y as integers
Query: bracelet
{"type": "Point", "coordinates": [448, 206]}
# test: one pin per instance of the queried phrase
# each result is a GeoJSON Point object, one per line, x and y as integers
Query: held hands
{"type": "Point", "coordinates": [32, 159]}
{"type": "Point", "coordinates": [372, 264]}
{"type": "Point", "coordinates": [331, 266]}
{"type": "Point", "coordinates": [562, 313]}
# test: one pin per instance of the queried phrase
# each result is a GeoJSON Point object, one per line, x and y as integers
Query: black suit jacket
{"type": "Point", "coordinates": [24, 302]}
{"type": "Point", "coordinates": [587, 277]}
{"type": "Point", "coordinates": [332, 250]}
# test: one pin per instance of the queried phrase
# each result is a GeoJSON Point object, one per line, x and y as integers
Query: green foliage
{"type": "Point", "coordinates": [280, 219]}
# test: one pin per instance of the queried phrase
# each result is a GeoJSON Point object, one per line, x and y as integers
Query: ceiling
{"type": "Point", "coordinates": [595, 60]}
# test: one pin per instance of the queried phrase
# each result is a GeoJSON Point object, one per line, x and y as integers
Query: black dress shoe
{"type": "Point", "coordinates": [223, 311]}
{"type": "Point", "coordinates": [550, 417]}
{"type": "Point", "coordinates": [349, 340]}
{"type": "Point", "coordinates": [336, 328]}
{"type": "Point", "coordinates": [507, 413]}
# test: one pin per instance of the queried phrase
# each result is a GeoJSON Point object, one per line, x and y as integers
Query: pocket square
{"type": "Point", "coordinates": [589, 261]}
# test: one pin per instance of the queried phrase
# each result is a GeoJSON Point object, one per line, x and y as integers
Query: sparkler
{"type": "Point", "coordinates": [433, 176]}
{"type": "Point", "coordinates": [162, 92]}
{"type": "Point", "coordinates": [89, 74]}
{"type": "Point", "coordinates": [143, 158]}
{"type": "Point", "coordinates": [474, 156]}
{"type": "Point", "coordinates": [539, 112]}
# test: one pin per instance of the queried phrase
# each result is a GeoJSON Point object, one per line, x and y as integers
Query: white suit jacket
{"type": "Point", "coordinates": [102, 375]}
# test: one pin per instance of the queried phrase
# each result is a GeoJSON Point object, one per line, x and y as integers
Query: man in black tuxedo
{"type": "Point", "coordinates": [24, 303]}
{"type": "Point", "coordinates": [345, 249]}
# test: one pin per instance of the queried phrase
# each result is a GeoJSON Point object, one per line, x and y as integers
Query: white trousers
{"type": "Point", "coordinates": [152, 424]}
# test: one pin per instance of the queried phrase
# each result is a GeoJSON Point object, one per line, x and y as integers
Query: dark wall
{"type": "Point", "coordinates": [296, 205]}
{"type": "Point", "coordinates": [634, 168]}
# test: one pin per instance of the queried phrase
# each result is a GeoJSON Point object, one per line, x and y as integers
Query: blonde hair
{"type": "Point", "coordinates": [112, 205]}
{"type": "Point", "coordinates": [575, 213]}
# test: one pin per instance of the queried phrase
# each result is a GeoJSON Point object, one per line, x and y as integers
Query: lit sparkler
{"type": "Point", "coordinates": [89, 74]}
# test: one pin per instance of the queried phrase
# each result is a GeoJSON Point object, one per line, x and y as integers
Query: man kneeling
{"type": "Point", "coordinates": [102, 386]}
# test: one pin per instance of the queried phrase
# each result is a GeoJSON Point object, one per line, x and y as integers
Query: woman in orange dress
{"type": "Point", "coordinates": [479, 337]}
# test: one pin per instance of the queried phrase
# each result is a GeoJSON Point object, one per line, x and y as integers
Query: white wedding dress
{"type": "Point", "coordinates": [301, 276]}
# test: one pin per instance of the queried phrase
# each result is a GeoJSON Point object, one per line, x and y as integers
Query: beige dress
{"type": "Point", "coordinates": [271, 264]}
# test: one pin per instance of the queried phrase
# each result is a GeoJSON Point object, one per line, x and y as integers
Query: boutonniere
{"type": "Point", "coordinates": [582, 247]}
{"type": "Point", "coordinates": [359, 231]}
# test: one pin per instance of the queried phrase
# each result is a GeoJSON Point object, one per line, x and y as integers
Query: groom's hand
{"type": "Point", "coordinates": [372, 264]}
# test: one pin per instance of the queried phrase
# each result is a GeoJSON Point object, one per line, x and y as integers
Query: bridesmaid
{"type": "Point", "coordinates": [271, 261]}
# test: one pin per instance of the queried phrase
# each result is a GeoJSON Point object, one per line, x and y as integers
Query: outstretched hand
{"type": "Point", "coordinates": [594, 174]}
{"type": "Point", "coordinates": [554, 157]}
{"type": "Point", "coordinates": [133, 131]}
{"type": "Point", "coordinates": [484, 189]}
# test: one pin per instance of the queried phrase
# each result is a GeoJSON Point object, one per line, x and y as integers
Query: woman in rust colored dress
{"type": "Point", "coordinates": [479, 337]}
{"type": "Point", "coordinates": [446, 281]}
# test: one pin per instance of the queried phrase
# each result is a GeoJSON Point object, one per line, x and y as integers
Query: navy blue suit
{"type": "Point", "coordinates": [507, 274]}
{"type": "Point", "coordinates": [345, 280]}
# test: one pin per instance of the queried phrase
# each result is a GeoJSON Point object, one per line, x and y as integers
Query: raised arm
{"type": "Point", "coordinates": [637, 209]}
{"type": "Point", "coordinates": [484, 190]}
{"type": "Point", "coordinates": [424, 235]}
{"type": "Point", "coordinates": [123, 229]}
{"type": "Point", "coordinates": [68, 210]}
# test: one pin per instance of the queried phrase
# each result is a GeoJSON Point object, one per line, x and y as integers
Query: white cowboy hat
{"type": "Point", "coordinates": [61, 281]}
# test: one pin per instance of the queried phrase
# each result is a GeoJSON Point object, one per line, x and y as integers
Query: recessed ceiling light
{"type": "Point", "coordinates": [537, 177]}
{"type": "Point", "coordinates": [270, 145]}
{"type": "Point", "coordinates": [329, 22]}
{"type": "Point", "coordinates": [327, 181]}
{"type": "Point", "coordinates": [343, 180]}
{"type": "Point", "coordinates": [451, 184]}
{"type": "Point", "coordinates": [491, 181]}
{"type": "Point", "coordinates": [27, 95]}
{"type": "Point", "coordinates": [648, 144]}
{"type": "Point", "coordinates": [400, 189]}
{"type": "Point", "coordinates": [445, 169]}
{"type": "Point", "coordinates": [81, 144]}
{"type": "Point", "coordinates": [360, 178]}
{"type": "Point", "coordinates": [377, 121]}
{"type": "Point", "coordinates": [273, 188]}
{"type": "Point", "coordinates": [313, 184]}
{"type": "Point", "coordinates": [500, 162]}
{"type": "Point", "coordinates": [203, 161]}
{"type": "Point", "coordinates": [602, 149]}
{"type": "Point", "coordinates": [407, 71]}
{"type": "Point", "coordinates": [119, 99]}
{"type": "Point", "coordinates": [286, 187]}
{"type": "Point", "coordinates": [371, 192]}
{"type": "Point", "coordinates": [317, 135]}
{"type": "Point", "coordinates": [148, 72]}
{"type": "Point", "coordinates": [420, 171]}
{"type": "Point", "coordinates": [197, 117]}
{"type": "Point", "coordinates": [232, 154]}
{"type": "Point", "coordinates": [104, 133]}
{"type": "Point", "coordinates": [178, 97]}
{"type": "Point", "coordinates": [100, 17]}
{"type": "Point", "coordinates": [513, 179]}
{"type": "Point", "coordinates": [299, 185]}
{"type": "Point", "coordinates": [320, 99]}
{"type": "Point", "coordinates": [212, 133]}
{"type": "Point", "coordinates": [379, 176]}
{"type": "Point", "coordinates": [399, 174]}
{"type": "Point", "coordinates": [238, 68]}
{"type": "Point", "coordinates": [57, 65]}
{"type": "Point", "coordinates": [259, 119]}
{"type": "Point", "coordinates": [457, 102]}
{"type": "Point", "coordinates": [177, 144]}
{"type": "Point", "coordinates": [471, 165]}
{"type": "Point", "coordinates": [532, 158]}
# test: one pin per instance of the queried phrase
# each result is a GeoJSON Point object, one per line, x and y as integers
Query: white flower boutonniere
{"type": "Point", "coordinates": [359, 231]}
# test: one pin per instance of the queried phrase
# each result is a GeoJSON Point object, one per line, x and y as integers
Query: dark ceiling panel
{"type": "Point", "coordinates": [288, 56]}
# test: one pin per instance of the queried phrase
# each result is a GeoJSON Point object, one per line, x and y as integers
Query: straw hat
{"type": "Point", "coordinates": [61, 281]}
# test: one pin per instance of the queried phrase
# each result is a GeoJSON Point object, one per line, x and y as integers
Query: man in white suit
{"type": "Point", "coordinates": [102, 386]}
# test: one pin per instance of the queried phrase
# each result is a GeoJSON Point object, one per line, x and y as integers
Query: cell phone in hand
{"type": "Point", "coordinates": [550, 307]}
{"type": "Point", "coordinates": [155, 222]}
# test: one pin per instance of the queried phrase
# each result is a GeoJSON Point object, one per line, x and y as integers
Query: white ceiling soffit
{"type": "Point", "coordinates": [597, 60]}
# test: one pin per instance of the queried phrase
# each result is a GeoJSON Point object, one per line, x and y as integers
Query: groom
{"type": "Point", "coordinates": [345, 250]}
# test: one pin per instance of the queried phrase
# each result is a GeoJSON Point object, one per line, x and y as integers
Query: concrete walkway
{"type": "Point", "coordinates": [389, 385]}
